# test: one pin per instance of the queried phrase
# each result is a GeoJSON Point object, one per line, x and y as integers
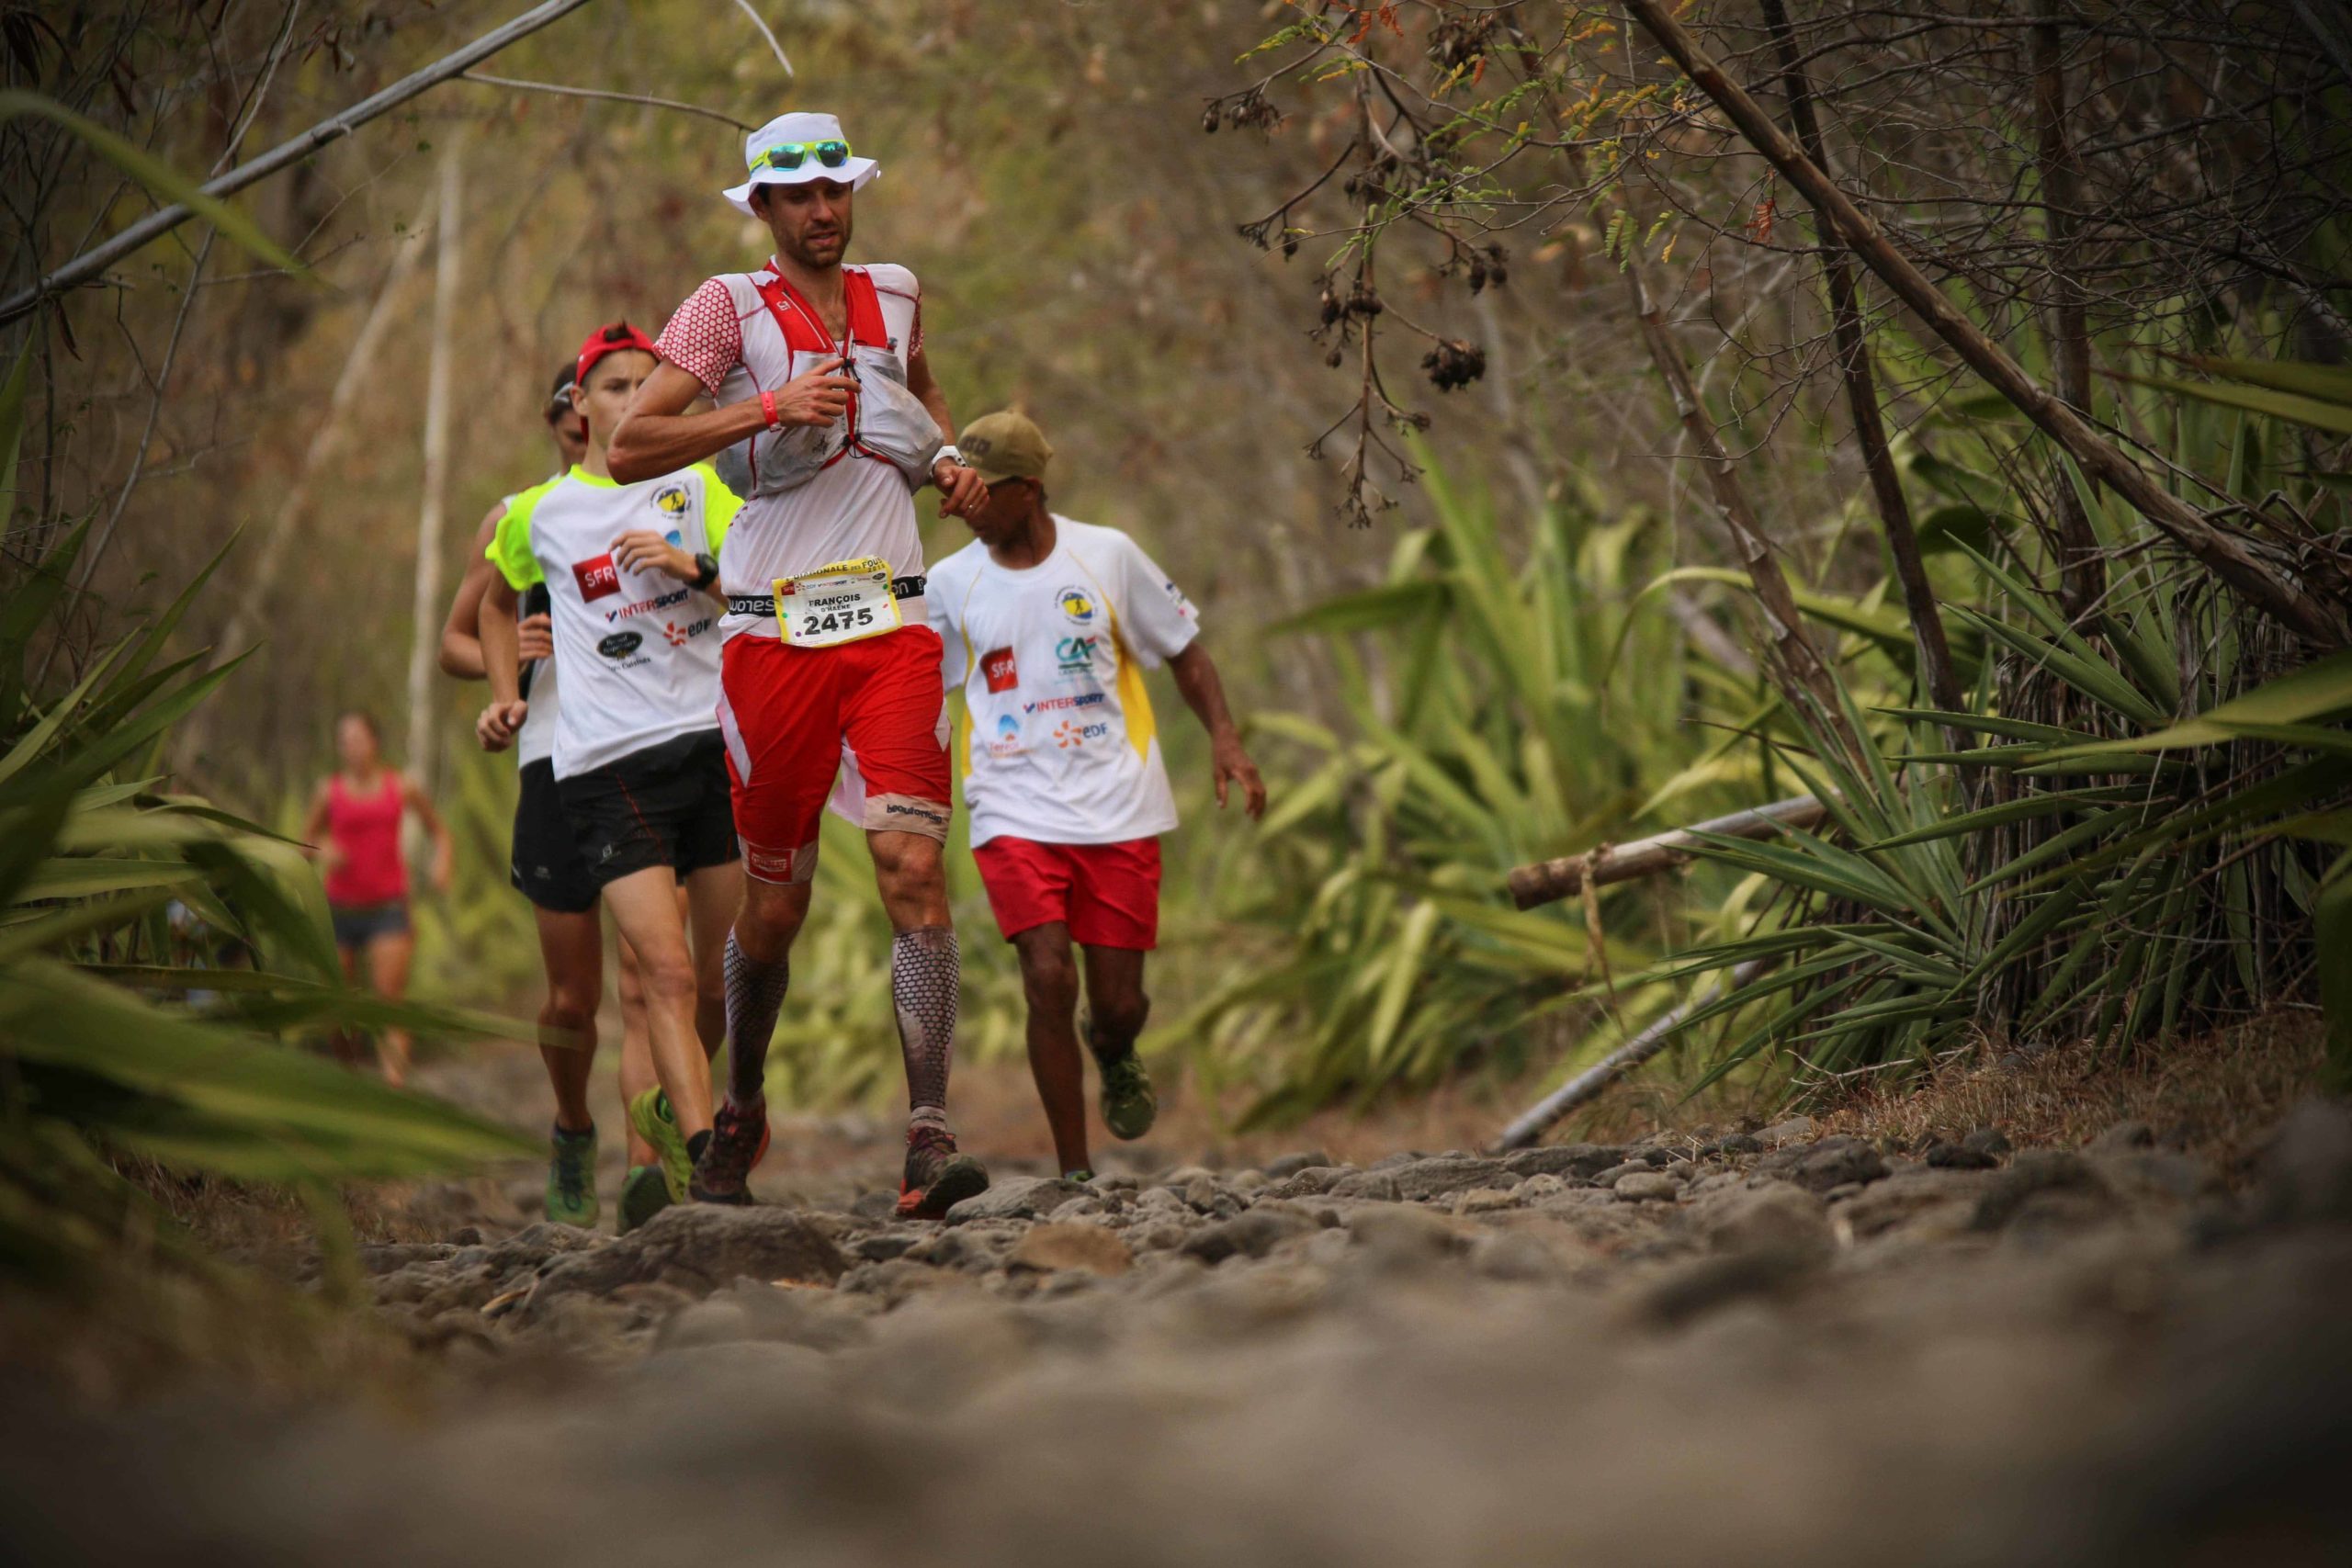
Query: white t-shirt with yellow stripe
{"type": "Point", "coordinates": [1057, 742]}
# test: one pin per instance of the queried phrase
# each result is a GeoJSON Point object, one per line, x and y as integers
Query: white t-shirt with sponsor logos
{"type": "Point", "coordinates": [1058, 743]}
{"type": "Point", "coordinates": [637, 651]}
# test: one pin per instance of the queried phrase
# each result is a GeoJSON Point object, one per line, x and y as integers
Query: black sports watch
{"type": "Point", "coordinates": [706, 570]}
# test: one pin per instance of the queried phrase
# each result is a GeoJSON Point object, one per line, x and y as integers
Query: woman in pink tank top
{"type": "Point", "coordinates": [355, 825]}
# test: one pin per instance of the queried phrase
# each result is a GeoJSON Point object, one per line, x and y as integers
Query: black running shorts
{"type": "Point", "coordinates": [547, 867]}
{"type": "Point", "coordinates": [664, 806]}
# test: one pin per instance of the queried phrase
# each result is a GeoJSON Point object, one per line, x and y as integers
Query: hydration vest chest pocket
{"type": "Point", "coordinates": [845, 601]}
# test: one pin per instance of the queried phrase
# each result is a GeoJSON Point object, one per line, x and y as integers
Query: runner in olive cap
{"type": "Point", "coordinates": [1050, 624]}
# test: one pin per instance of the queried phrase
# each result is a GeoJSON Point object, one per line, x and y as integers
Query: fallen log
{"type": "Point", "coordinates": [1588, 1084]}
{"type": "Point", "coordinates": [1546, 880]}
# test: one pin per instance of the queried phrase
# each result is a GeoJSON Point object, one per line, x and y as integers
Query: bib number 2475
{"type": "Point", "coordinates": [841, 602]}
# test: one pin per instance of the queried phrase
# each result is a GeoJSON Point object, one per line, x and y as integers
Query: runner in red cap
{"type": "Point", "coordinates": [820, 376]}
{"type": "Point", "coordinates": [638, 764]}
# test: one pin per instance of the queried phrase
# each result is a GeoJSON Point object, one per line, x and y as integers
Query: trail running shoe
{"type": "Point", "coordinates": [651, 1114]}
{"type": "Point", "coordinates": [644, 1193]}
{"type": "Point", "coordinates": [1129, 1107]}
{"type": "Point", "coordinates": [738, 1138]}
{"type": "Point", "coordinates": [572, 1179]}
{"type": "Point", "coordinates": [1080, 1175]}
{"type": "Point", "coordinates": [937, 1178]}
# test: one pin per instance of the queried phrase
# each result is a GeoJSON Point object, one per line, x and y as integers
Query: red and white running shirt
{"type": "Point", "coordinates": [727, 336]}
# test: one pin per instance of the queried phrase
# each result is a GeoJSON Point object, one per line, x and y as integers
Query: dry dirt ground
{"type": "Point", "coordinates": [1786, 1346]}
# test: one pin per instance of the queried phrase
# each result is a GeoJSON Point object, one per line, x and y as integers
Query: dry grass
{"type": "Point", "coordinates": [2216, 1095]}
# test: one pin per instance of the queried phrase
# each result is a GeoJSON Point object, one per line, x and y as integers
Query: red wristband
{"type": "Point", "coordinates": [767, 409]}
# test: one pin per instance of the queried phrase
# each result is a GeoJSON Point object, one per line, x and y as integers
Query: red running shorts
{"type": "Point", "coordinates": [787, 714]}
{"type": "Point", "coordinates": [1107, 894]}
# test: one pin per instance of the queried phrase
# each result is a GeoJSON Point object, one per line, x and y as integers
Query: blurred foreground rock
{"type": "Point", "coordinates": [1777, 1347]}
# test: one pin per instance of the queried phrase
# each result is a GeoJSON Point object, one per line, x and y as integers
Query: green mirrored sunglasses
{"type": "Point", "coordinates": [790, 155]}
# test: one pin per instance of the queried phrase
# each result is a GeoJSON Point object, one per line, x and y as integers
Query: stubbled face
{"type": "Point", "coordinates": [810, 223]}
{"type": "Point", "coordinates": [354, 743]}
{"type": "Point", "coordinates": [611, 384]}
{"type": "Point", "coordinates": [1007, 507]}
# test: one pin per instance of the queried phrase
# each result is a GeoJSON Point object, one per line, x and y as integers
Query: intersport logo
{"type": "Point", "coordinates": [1055, 705]}
{"type": "Point", "coordinates": [647, 606]}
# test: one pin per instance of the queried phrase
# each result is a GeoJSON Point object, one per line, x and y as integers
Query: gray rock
{"type": "Point", "coordinates": [1200, 1192]}
{"type": "Point", "coordinates": [1016, 1197]}
{"type": "Point", "coordinates": [1617, 1173]}
{"type": "Point", "coordinates": [2157, 1176]}
{"type": "Point", "coordinates": [1771, 1216]}
{"type": "Point", "coordinates": [1291, 1165]}
{"type": "Point", "coordinates": [1741, 1144]}
{"type": "Point", "coordinates": [1250, 1235]}
{"type": "Point", "coordinates": [1449, 1174]}
{"type": "Point", "coordinates": [695, 1247]}
{"type": "Point", "coordinates": [1886, 1205]}
{"type": "Point", "coordinates": [1517, 1257]}
{"type": "Point", "coordinates": [1313, 1181]}
{"type": "Point", "coordinates": [1786, 1131]}
{"type": "Point", "coordinates": [1960, 1156]}
{"type": "Point", "coordinates": [1380, 1186]}
{"type": "Point", "coordinates": [1582, 1160]}
{"type": "Point", "coordinates": [1986, 1141]}
{"type": "Point", "coordinates": [2307, 1169]}
{"type": "Point", "coordinates": [2031, 1174]}
{"type": "Point", "coordinates": [2121, 1137]}
{"type": "Point", "coordinates": [1833, 1162]}
{"type": "Point", "coordinates": [1648, 1185]}
{"type": "Point", "coordinates": [1402, 1230]}
{"type": "Point", "coordinates": [1690, 1289]}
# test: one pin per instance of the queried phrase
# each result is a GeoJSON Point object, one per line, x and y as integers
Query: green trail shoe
{"type": "Point", "coordinates": [572, 1179]}
{"type": "Point", "coordinates": [645, 1192]}
{"type": "Point", "coordinates": [1129, 1107]}
{"type": "Point", "coordinates": [1081, 1175]}
{"type": "Point", "coordinates": [651, 1114]}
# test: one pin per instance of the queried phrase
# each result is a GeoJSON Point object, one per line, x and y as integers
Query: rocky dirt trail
{"type": "Point", "coordinates": [1767, 1346]}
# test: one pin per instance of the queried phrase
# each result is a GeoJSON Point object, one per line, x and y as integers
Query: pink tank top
{"type": "Point", "coordinates": [366, 829]}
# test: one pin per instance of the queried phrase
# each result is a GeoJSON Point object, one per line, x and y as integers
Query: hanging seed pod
{"type": "Point", "coordinates": [1452, 363]}
{"type": "Point", "coordinates": [1208, 120]}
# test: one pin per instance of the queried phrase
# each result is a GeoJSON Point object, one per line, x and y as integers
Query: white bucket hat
{"type": "Point", "coordinates": [805, 131]}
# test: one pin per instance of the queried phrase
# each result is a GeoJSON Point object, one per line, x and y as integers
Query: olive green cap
{"type": "Point", "coordinates": [1005, 446]}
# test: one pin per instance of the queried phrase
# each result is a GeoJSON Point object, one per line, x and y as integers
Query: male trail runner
{"type": "Point", "coordinates": [638, 763]}
{"type": "Point", "coordinates": [1049, 624]}
{"type": "Point", "coordinates": [547, 869]}
{"type": "Point", "coordinates": [820, 369]}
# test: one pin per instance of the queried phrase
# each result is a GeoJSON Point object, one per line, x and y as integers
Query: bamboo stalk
{"type": "Point", "coordinates": [2225, 555]}
{"type": "Point", "coordinates": [1548, 881]}
{"type": "Point", "coordinates": [2082, 575]}
{"type": "Point", "coordinates": [1588, 1085]}
{"type": "Point", "coordinates": [1936, 670]}
{"type": "Point", "coordinates": [96, 259]}
{"type": "Point", "coordinates": [424, 638]}
{"type": "Point", "coordinates": [1796, 663]}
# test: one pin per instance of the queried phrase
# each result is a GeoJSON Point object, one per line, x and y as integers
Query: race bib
{"type": "Point", "coordinates": [837, 603]}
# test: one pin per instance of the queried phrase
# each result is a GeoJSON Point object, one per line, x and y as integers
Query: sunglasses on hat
{"type": "Point", "coordinates": [790, 156]}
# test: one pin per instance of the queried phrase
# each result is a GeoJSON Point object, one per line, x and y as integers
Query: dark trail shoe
{"type": "Point", "coordinates": [644, 1193]}
{"type": "Point", "coordinates": [572, 1179]}
{"type": "Point", "coordinates": [738, 1138]}
{"type": "Point", "coordinates": [937, 1178]}
{"type": "Point", "coordinates": [1129, 1107]}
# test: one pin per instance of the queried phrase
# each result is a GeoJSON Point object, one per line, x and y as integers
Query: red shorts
{"type": "Point", "coordinates": [1107, 894]}
{"type": "Point", "coordinates": [787, 713]}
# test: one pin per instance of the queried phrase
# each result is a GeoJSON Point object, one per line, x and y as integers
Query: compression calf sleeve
{"type": "Point", "coordinates": [926, 978]}
{"type": "Point", "coordinates": [755, 996]}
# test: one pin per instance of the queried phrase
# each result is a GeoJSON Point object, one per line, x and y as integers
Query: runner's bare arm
{"type": "Point", "coordinates": [1203, 690]}
{"type": "Point", "coordinates": [658, 436]}
{"type": "Point", "coordinates": [461, 633]}
{"type": "Point", "coordinates": [960, 489]}
{"type": "Point", "coordinates": [445, 848]}
{"type": "Point", "coordinates": [502, 666]}
{"type": "Point", "coordinates": [314, 826]}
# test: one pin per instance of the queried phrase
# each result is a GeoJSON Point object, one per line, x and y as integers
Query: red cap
{"type": "Point", "coordinates": [618, 338]}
